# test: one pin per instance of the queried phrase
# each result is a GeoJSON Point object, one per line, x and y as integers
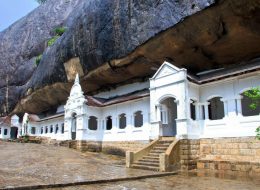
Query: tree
{"type": "Point", "coordinates": [41, 1]}
{"type": "Point", "coordinates": [254, 95]}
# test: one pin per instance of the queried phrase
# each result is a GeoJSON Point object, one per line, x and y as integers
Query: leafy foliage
{"type": "Point", "coordinates": [38, 59]}
{"type": "Point", "coordinates": [254, 95]}
{"type": "Point", "coordinates": [257, 133]}
{"type": "Point", "coordinates": [59, 31]}
{"type": "Point", "coordinates": [52, 40]}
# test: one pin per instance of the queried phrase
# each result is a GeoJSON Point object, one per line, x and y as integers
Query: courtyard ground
{"type": "Point", "coordinates": [24, 164]}
{"type": "Point", "coordinates": [39, 164]}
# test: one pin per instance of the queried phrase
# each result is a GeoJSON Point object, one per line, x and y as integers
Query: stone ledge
{"type": "Point", "coordinates": [228, 165]}
{"type": "Point", "coordinates": [91, 182]}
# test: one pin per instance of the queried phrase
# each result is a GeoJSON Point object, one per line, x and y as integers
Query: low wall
{"type": "Point", "coordinates": [189, 153]}
{"type": "Point", "coordinates": [115, 147]}
{"type": "Point", "coordinates": [237, 149]}
{"type": "Point", "coordinates": [236, 154]}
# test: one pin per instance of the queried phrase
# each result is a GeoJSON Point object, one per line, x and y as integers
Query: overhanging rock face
{"type": "Point", "coordinates": [113, 42]}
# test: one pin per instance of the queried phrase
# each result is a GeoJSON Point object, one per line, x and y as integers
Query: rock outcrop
{"type": "Point", "coordinates": [110, 42]}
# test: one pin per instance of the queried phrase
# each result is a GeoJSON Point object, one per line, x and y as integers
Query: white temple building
{"type": "Point", "coordinates": [172, 103]}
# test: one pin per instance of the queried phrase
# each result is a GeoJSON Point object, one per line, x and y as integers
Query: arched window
{"type": "Point", "coordinates": [122, 121]}
{"type": "Point", "coordinates": [192, 109]}
{"type": "Point", "coordinates": [216, 108]}
{"type": "Point", "coordinates": [92, 123]}
{"type": "Point", "coordinates": [109, 123]}
{"type": "Point", "coordinates": [138, 119]}
{"type": "Point", "coordinates": [51, 129]}
{"type": "Point", "coordinates": [62, 128]}
{"type": "Point", "coordinates": [41, 130]}
{"type": "Point", "coordinates": [0, 131]}
{"type": "Point", "coordinates": [46, 129]}
{"type": "Point", "coordinates": [56, 128]}
{"type": "Point", "coordinates": [5, 131]}
{"type": "Point", "coordinates": [245, 106]}
{"type": "Point", "coordinates": [33, 130]}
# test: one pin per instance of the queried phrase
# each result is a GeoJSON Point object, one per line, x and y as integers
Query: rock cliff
{"type": "Point", "coordinates": [111, 42]}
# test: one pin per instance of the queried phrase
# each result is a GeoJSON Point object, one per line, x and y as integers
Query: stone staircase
{"type": "Point", "coordinates": [151, 161]}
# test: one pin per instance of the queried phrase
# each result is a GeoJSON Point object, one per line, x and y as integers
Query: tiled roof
{"type": "Point", "coordinates": [101, 102]}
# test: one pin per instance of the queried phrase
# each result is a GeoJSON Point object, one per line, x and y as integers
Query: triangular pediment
{"type": "Point", "coordinates": [165, 70]}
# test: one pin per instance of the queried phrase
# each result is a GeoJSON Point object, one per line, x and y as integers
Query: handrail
{"type": "Point", "coordinates": [132, 157]}
{"type": "Point", "coordinates": [170, 157]}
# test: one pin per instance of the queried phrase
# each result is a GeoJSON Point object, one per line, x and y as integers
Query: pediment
{"type": "Point", "coordinates": [165, 70]}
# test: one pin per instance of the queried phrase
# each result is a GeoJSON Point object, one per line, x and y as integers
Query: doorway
{"type": "Point", "coordinates": [14, 132]}
{"type": "Point", "coordinates": [168, 114]}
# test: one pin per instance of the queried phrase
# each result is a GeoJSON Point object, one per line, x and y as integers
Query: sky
{"type": "Point", "coordinates": [13, 10]}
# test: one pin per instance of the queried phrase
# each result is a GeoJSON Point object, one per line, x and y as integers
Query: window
{"type": "Point", "coordinates": [138, 119]}
{"type": "Point", "coordinates": [62, 128]}
{"type": "Point", "coordinates": [56, 128]}
{"type": "Point", "coordinates": [5, 131]}
{"type": "Point", "coordinates": [0, 131]}
{"type": "Point", "coordinates": [46, 129]}
{"type": "Point", "coordinates": [192, 110]}
{"type": "Point", "coordinates": [33, 130]}
{"type": "Point", "coordinates": [164, 114]}
{"type": "Point", "coordinates": [41, 130]}
{"type": "Point", "coordinates": [122, 121]}
{"type": "Point", "coordinates": [216, 108]}
{"type": "Point", "coordinates": [92, 123]}
{"type": "Point", "coordinates": [109, 123]}
{"type": "Point", "coordinates": [51, 129]}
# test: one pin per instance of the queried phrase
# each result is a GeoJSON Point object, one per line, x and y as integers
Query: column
{"type": "Point", "coordinates": [227, 104]}
{"type": "Point", "coordinates": [239, 105]}
{"type": "Point", "coordinates": [67, 128]}
{"type": "Point", "coordinates": [181, 121]}
{"type": "Point", "coordinates": [197, 111]}
{"type": "Point", "coordinates": [206, 110]}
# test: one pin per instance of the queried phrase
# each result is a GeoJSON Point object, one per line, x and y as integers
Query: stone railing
{"type": "Point", "coordinates": [132, 157]}
{"type": "Point", "coordinates": [170, 157]}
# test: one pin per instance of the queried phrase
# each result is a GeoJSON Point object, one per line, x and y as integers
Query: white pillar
{"type": "Point", "coordinates": [206, 109]}
{"type": "Point", "coordinates": [227, 105]}
{"type": "Point", "coordinates": [197, 111]}
{"type": "Point", "coordinates": [158, 112]}
{"type": "Point", "coordinates": [239, 105]}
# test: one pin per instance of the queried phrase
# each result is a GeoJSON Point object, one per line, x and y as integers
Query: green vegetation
{"type": "Point", "coordinates": [58, 33]}
{"type": "Point", "coordinates": [38, 59]}
{"type": "Point", "coordinates": [52, 40]}
{"type": "Point", "coordinates": [254, 95]}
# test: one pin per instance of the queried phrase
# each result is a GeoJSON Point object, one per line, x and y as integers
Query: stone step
{"type": "Point", "coordinates": [161, 147]}
{"type": "Point", "coordinates": [147, 163]}
{"type": "Point", "coordinates": [151, 157]}
{"type": "Point", "coordinates": [164, 143]}
{"type": "Point", "coordinates": [138, 166]}
{"type": "Point", "coordinates": [149, 160]}
{"type": "Point", "coordinates": [154, 154]}
{"type": "Point", "coordinates": [158, 151]}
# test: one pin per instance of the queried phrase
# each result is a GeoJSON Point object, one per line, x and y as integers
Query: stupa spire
{"type": "Point", "coordinates": [76, 79]}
